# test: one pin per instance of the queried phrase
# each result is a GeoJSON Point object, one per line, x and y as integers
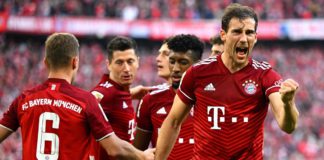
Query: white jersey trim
{"type": "Point", "coordinates": [160, 90]}
{"type": "Point", "coordinates": [207, 61]}
{"type": "Point", "coordinates": [144, 130]}
{"type": "Point", "coordinates": [6, 128]}
{"type": "Point", "coordinates": [185, 94]}
{"type": "Point", "coordinates": [271, 88]}
{"type": "Point", "coordinates": [107, 135]}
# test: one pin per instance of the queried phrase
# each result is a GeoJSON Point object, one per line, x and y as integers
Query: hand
{"type": "Point", "coordinates": [140, 91]}
{"type": "Point", "coordinates": [149, 154]}
{"type": "Point", "coordinates": [288, 90]}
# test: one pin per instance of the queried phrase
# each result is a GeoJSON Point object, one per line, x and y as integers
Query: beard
{"type": "Point", "coordinates": [175, 85]}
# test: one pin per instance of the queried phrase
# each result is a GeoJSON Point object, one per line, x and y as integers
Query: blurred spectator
{"type": "Point", "coordinates": [163, 9]}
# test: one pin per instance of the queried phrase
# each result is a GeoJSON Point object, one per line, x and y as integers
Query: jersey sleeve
{"type": "Point", "coordinates": [143, 115]}
{"type": "Point", "coordinates": [186, 90]}
{"type": "Point", "coordinates": [271, 81]}
{"type": "Point", "coordinates": [103, 96]}
{"type": "Point", "coordinates": [10, 117]}
{"type": "Point", "coordinates": [97, 120]}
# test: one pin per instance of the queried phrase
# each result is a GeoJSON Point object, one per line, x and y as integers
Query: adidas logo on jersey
{"type": "Point", "coordinates": [125, 105]}
{"type": "Point", "coordinates": [210, 87]}
{"type": "Point", "coordinates": [161, 111]}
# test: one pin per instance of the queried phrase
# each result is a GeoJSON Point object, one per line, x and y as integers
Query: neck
{"type": "Point", "coordinates": [230, 64]}
{"type": "Point", "coordinates": [60, 75]}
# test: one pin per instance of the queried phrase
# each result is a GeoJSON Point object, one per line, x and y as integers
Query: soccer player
{"type": "Point", "coordinates": [230, 94]}
{"type": "Point", "coordinates": [162, 60]}
{"type": "Point", "coordinates": [56, 118]}
{"type": "Point", "coordinates": [185, 51]}
{"type": "Point", "coordinates": [217, 45]}
{"type": "Point", "coordinates": [113, 90]}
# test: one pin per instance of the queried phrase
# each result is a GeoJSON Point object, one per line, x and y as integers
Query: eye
{"type": "Point", "coordinates": [130, 61]}
{"type": "Point", "coordinates": [184, 62]}
{"type": "Point", "coordinates": [119, 62]}
{"type": "Point", "coordinates": [171, 61]}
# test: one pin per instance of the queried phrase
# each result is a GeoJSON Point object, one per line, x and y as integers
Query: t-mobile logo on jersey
{"type": "Point", "coordinates": [214, 112]}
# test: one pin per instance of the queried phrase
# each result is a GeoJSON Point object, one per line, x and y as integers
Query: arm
{"type": "Point", "coordinates": [142, 139]}
{"type": "Point", "coordinates": [140, 91]}
{"type": "Point", "coordinates": [4, 133]}
{"type": "Point", "coordinates": [283, 106]}
{"type": "Point", "coordinates": [170, 128]}
{"type": "Point", "coordinates": [120, 149]}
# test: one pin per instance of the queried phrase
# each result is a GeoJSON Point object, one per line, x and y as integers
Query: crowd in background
{"type": "Point", "coordinates": [162, 9]}
{"type": "Point", "coordinates": [21, 67]}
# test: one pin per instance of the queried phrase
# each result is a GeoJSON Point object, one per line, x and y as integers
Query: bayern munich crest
{"type": "Point", "coordinates": [250, 87]}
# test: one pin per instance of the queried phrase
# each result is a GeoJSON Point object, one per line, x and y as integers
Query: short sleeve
{"type": "Point", "coordinates": [186, 88]}
{"type": "Point", "coordinates": [10, 117]}
{"type": "Point", "coordinates": [143, 115]}
{"type": "Point", "coordinates": [100, 127]}
{"type": "Point", "coordinates": [271, 81]}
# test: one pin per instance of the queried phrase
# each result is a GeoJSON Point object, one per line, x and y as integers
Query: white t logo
{"type": "Point", "coordinates": [214, 116]}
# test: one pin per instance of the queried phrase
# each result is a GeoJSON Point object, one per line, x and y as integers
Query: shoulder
{"type": "Point", "coordinates": [161, 89]}
{"type": "Point", "coordinates": [263, 65]}
{"type": "Point", "coordinates": [205, 62]}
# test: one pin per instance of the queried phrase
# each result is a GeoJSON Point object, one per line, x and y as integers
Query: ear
{"type": "Point", "coordinates": [108, 64]}
{"type": "Point", "coordinates": [46, 63]}
{"type": "Point", "coordinates": [75, 63]}
{"type": "Point", "coordinates": [222, 35]}
{"type": "Point", "coordinates": [256, 38]}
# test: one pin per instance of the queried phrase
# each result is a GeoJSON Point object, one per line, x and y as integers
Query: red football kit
{"type": "Point", "coordinates": [152, 111]}
{"type": "Point", "coordinates": [229, 108]}
{"type": "Point", "coordinates": [117, 105]}
{"type": "Point", "coordinates": [57, 121]}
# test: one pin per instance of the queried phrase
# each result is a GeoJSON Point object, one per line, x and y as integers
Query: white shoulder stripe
{"type": "Point", "coordinates": [260, 65]}
{"type": "Point", "coordinates": [207, 61]}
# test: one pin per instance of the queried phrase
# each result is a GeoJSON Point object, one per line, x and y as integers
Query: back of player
{"type": "Point", "coordinates": [55, 117]}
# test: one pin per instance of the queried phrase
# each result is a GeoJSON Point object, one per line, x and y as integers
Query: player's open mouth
{"type": "Point", "coordinates": [160, 67]}
{"type": "Point", "coordinates": [241, 50]}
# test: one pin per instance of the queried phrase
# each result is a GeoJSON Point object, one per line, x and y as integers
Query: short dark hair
{"type": "Point", "coordinates": [187, 42]}
{"type": "Point", "coordinates": [60, 48]}
{"type": "Point", "coordinates": [216, 40]}
{"type": "Point", "coordinates": [236, 10]}
{"type": "Point", "coordinates": [165, 41]}
{"type": "Point", "coordinates": [120, 43]}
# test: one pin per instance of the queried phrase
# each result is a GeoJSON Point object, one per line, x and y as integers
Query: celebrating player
{"type": "Point", "coordinates": [113, 90]}
{"type": "Point", "coordinates": [56, 118]}
{"type": "Point", "coordinates": [230, 94]}
{"type": "Point", "coordinates": [185, 50]}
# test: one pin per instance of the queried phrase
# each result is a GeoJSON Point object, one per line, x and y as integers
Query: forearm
{"type": "Point", "coordinates": [289, 117]}
{"type": "Point", "coordinates": [167, 136]}
{"type": "Point", "coordinates": [120, 149]}
{"type": "Point", "coordinates": [129, 152]}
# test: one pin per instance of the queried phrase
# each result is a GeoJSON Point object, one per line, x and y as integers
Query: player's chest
{"type": "Point", "coordinates": [228, 89]}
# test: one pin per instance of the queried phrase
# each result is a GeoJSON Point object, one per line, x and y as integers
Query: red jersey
{"type": "Point", "coordinates": [56, 121]}
{"type": "Point", "coordinates": [230, 108]}
{"type": "Point", "coordinates": [152, 111]}
{"type": "Point", "coordinates": [117, 105]}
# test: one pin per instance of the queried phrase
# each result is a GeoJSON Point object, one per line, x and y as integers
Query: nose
{"type": "Point", "coordinates": [176, 68]}
{"type": "Point", "coordinates": [243, 38]}
{"type": "Point", "coordinates": [158, 58]}
{"type": "Point", "coordinates": [126, 67]}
